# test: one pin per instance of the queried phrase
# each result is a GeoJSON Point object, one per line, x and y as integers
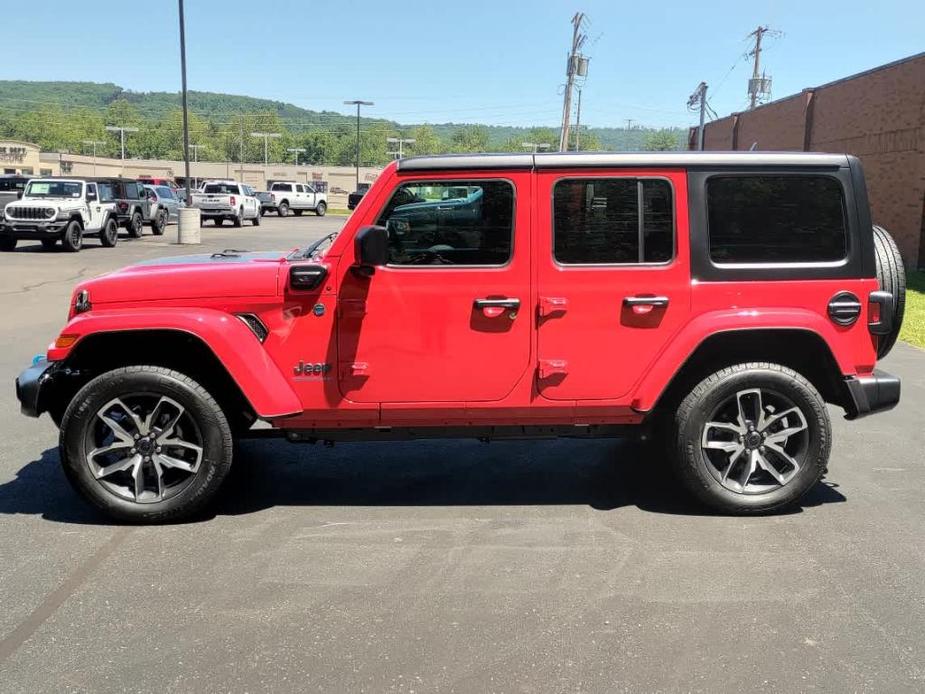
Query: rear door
{"type": "Point", "coordinates": [613, 277]}
{"type": "Point", "coordinates": [448, 319]}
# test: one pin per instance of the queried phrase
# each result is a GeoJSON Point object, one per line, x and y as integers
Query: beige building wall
{"type": "Point", "coordinates": [341, 180]}
{"type": "Point", "coordinates": [24, 158]}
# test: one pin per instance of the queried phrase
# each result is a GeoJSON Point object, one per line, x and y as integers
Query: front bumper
{"type": "Point", "coordinates": [34, 386]}
{"type": "Point", "coordinates": [33, 230]}
{"type": "Point", "coordinates": [869, 394]}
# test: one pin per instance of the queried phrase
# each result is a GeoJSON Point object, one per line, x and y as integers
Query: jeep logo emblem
{"type": "Point", "coordinates": [311, 369]}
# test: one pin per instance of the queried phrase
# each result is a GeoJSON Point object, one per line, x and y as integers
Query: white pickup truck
{"type": "Point", "coordinates": [221, 200]}
{"type": "Point", "coordinates": [298, 197]}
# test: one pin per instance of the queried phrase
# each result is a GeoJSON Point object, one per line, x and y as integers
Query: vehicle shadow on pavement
{"type": "Point", "coordinates": [602, 474]}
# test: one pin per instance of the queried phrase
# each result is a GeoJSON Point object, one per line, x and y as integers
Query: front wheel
{"type": "Point", "coordinates": [321, 209]}
{"type": "Point", "coordinates": [145, 444]}
{"type": "Point", "coordinates": [751, 438]}
{"type": "Point", "coordinates": [73, 239]}
{"type": "Point", "coordinates": [256, 220]}
{"type": "Point", "coordinates": [7, 244]}
{"type": "Point", "coordinates": [159, 223]}
{"type": "Point", "coordinates": [136, 226]}
{"type": "Point", "coordinates": [109, 235]}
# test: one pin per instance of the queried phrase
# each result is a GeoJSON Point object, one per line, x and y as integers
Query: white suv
{"type": "Point", "coordinates": [298, 197]}
{"type": "Point", "coordinates": [59, 209]}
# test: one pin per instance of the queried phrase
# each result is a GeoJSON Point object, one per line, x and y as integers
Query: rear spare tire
{"type": "Point", "coordinates": [891, 275]}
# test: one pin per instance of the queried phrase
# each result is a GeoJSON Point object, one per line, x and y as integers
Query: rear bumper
{"type": "Point", "coordinates": [34, 385]}
{"type": "Point", "coordinates": [869, 394]}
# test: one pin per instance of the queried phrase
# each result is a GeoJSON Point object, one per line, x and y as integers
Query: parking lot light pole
{"type": "Point", "coordinates": [295, 151]}
{"type": "Point", "coordinates": [266, 140]}
{"type": "Point", "coordinates": [186, 145]}
{"type": "Point", "coordinates": [195, 149]}
{"type": "Point", "coordinates": [400, 141]}
{"type": "Point", "coordinates": [121, 129]}
{"type": "Point", "coordinates": [94, 143]}
{"type": "Point", "coordinates": [358, 103]}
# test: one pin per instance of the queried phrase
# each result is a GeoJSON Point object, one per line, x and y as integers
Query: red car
{"type": "Point", "coordinates": [713, 302]}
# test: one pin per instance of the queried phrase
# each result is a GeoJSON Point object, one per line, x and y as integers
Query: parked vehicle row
{"type": "Point", "coordinates": [67, 210]}
{"type": "Point", "coordinates": [220, 200]}
{"type": "Point", "coordinates": [286, 196]}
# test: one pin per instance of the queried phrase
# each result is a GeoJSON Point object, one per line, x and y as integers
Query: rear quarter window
{"type": "Point", "coordinates": [762, 218]}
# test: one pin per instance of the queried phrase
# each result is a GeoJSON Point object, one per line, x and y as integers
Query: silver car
{"type": "Point", "coordinates": [163, 207]}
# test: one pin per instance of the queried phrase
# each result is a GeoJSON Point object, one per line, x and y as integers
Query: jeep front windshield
{"type": "Point", "coordinates": [53, 189]}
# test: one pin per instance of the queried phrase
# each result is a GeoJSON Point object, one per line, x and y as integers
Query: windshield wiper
{"type": "Point", "coordinates": [317, 244]}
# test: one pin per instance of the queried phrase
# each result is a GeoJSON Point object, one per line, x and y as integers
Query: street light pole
{"type": "Point", "coordinates": [121, 129]}
{"type": "Point", "coordinates": [94, 143]}
{"type": "Point", "coordinates": [266, 140]}
{"type": "Point", "coordinates": [195, 149]}
{"type": "Point", "coordinates": [186, 144]}
{"type": "Point", "coordinates": [295, 151]}
{"type": "Point", "coordinates": [400, 141]}
{"type": "Point", "coordinates": [358, 103]}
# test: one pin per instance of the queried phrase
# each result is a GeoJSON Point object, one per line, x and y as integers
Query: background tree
{"type": "Point", "coordinates": [662, 141]}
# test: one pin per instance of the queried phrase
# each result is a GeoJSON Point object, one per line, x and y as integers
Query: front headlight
{"type": "Point", "coordinates": [50, 212]}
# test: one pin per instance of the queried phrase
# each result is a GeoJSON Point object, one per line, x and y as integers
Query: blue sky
{"type": "Point", "coordinates": [491, 61]}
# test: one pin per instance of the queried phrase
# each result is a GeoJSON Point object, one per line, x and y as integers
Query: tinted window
{"type": "Point", "coordinates": [131, 191]}
{"type": "Point", "coordinates": [597, 220]}
{"type": "Point", "coordinates": [222, 188]}
{"type": "Point", "coordinates": [299, 189]}
{"type": "Point", "coordinates": [282, 187]}
{"type": "Point", "coordinates": [776, 219]}
{"type": "Point", "coordinates": [107, 194]}
{"type": "Point", "coordinates": [429, 227]}
{"type": "Point", "coordinates": [165, 192]}
{"type": "Point", "coordinates": [91, 189]}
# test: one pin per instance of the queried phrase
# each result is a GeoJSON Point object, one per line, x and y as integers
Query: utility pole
{"type": "Point", "coordinates": [578, 124]}
{"type": "Point", "coordinates": [759, 86]}
{"type": "Point", "coordinates": [121, 130]}
{"type": "Point", "coordinates": [629, 123]}
{"type": "Point", "coordinates": [266, 148]}
{"type": "Point", "coordinates": [577, 66]}
{"type": "Point", "coordinates": [242, 150]}
{"type": "Point", "coordinates": [699, 98]}
{"type": "Point", "coordinates": [295, 151]}
{"type": "Point", "coordinates": [399, 141]}
{"type": "Point", "coordinates": [195, 149]}
{"type": "Point", "coordinates": [186, 144]}
{"type": "Point", "coordinates": [94, 143]}
{"type": "Point", "coordinates": [358, 103]}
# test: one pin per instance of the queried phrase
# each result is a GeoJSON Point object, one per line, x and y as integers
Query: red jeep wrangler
{"type": "Point", "coordinates": [716, 300]}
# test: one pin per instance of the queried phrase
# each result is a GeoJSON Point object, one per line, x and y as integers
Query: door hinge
{"type": "Point", "coordinates": [552, 304]}
{"type": "Point", "coordinates": [552, 367]}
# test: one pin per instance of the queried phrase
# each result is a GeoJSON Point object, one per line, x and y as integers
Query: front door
{"type": "Point", "coordinates": [448, 319]}
{"type": "Point", "coordinates": [94, 207]}
{"type": "Point", "coordinates": [613, 278]}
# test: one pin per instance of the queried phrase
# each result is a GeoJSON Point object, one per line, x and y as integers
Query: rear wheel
{"type": "Point", "coordinates": [73, 239]}
{"type": "Point", "coordinates": [145, 444]}
{"type": "Point", "coordinates": [256, 220]}
{"type": "Point", "coordinates": [892, 278]}
{"type": "Point", "coordinates": [109, 234]}
{"type": "Point", "coordinates": [298, 213]}
{"type": "Point", "coordinates": [321, 209]}
{"type": "Point", "coordinates": [7, 244]}
{"type": "Point", "coordinates": [136, 225]}
{"type": "Point", "coordinates": [239, 218]}
{"type": "Point", "coordinates": [751, 438]}
{"type": "Point", "coordinates": [218, 221]}
{"type": "Point", "coordinates": [283, 209]}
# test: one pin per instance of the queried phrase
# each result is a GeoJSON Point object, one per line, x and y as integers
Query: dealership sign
{"type": "Point", "coordinates": [17, 154]}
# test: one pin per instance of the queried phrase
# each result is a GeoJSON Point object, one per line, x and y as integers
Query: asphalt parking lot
{"type": "Point", "coordinates": [450, 566]}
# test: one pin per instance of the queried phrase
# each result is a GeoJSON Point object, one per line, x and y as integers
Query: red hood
{"type": "Point", "coordinates": [200, 276]}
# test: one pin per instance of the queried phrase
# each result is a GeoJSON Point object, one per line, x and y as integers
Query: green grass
{"type": "Point", "coordinates": [914, 321]}
{"type": "Point", "coordinates": [343, 211]}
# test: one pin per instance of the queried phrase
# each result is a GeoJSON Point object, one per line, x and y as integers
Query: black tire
{"type": "Point", "coordinates": [204, 418]}
{"type": "Point", "coordinates": [218, 221]}
{"type": "Point", "coordinates": [283, 209]}
{"type": "Point", "coordinates": [73, 238]}
{"type": "Point", "coordinates": [298, 213]}
{"type": "Point", "coordinates": [238, 219]}
{"type": "Point", "coordinates": [49, 244]}
{"type": "Point", "coordinates": [136, 225]}
{"type": "Point", "coordinates": [256, 221]}
{"type": "Point", "coordinates": [262, 211]}
{"type": "Point", "coordinates": [891, 274]}
{"type": "Point", "coordinates": [321, 208]}
{"type": "Point", "coordinates": [109, 234]}
{"type": "Point", "coordinates": [7, 244]}
{"type": "Point", "coordinates": [697, 469]}
{"type": "Point", "coordinates": [159, 223]}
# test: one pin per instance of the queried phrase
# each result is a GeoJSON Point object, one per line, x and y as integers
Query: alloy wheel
{"type": "Point", "coordinates": [755, 441]}
{"type": "Point", "coordinates": [144, 447]}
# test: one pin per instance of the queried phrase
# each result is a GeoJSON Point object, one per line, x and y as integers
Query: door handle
{"type": "Point", "coordinates": [496, 303]}
{"type": "Point", "coordinates": [653, 301]}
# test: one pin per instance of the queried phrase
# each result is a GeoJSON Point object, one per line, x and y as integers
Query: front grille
{"type": "Point", "coordinates": [30, 212]}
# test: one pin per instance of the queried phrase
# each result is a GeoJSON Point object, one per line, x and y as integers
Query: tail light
{"type": "Point", "coordinates": [123, 206]}
{"type": "Point", "coordinates": [880, 313]}
{"type": "Point", "coordinates": [232, 200]}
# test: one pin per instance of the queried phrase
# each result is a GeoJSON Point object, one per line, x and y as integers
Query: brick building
{"type": "Point", "coordinates": [878, 115]}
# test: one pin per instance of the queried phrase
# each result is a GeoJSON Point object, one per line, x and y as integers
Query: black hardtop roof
{"type": "Point", "coordinates": [684, 159]}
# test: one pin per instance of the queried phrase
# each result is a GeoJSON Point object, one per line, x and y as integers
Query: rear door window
{"type": "Point", "coordinates": [762, 218]}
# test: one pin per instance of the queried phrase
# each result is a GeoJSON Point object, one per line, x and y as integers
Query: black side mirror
{"type": "Point", "coordinates": [304, 278]}
{"type": "Point", "coordinates": [91, 197]}
{"type": "Point", "coordinates": [372, 247]}
{"type": "Point", "coordinates": [19, 195]}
